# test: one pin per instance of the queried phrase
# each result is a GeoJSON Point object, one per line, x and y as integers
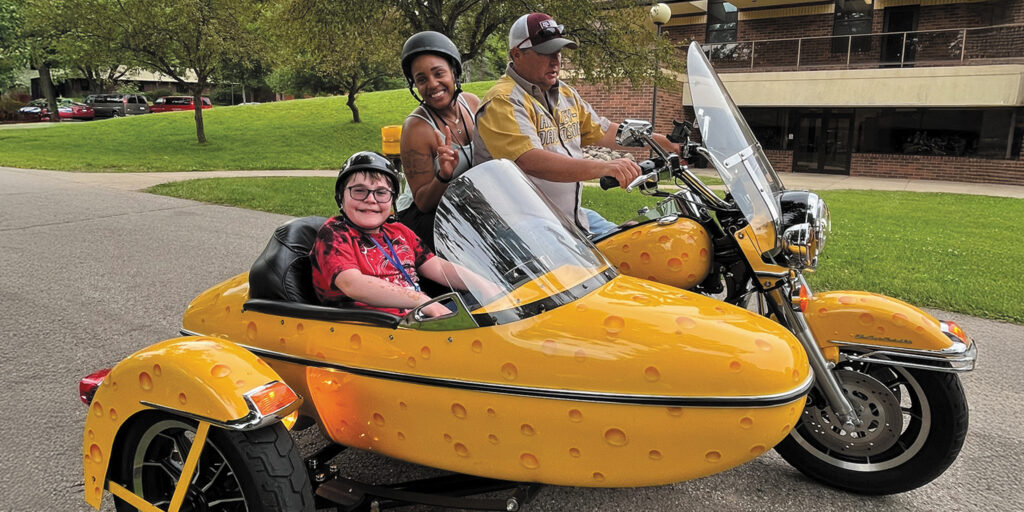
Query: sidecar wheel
{"type": "Point", "coordinates": [914, 424]}
{"type": "Point", "coordinates": [254, 471]}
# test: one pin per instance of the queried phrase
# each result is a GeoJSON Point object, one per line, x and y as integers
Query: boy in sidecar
{"type": "Point", "coordinates": [361, 259]}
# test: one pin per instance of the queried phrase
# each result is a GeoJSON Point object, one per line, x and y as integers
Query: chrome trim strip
{"type": "Point", "coordinates": [918, 359]}
{"type": "Point", "coordinates": [958, 348]}
{"type": "Point", "coordinates": [551, 393]}
{"type": "Point", "coordinates": [251, 421]}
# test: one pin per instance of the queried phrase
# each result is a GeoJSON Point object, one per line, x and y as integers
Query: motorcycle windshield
{"type": "Point", "coordinates": [735, 151]}
{"type": "Point", "coordinates": [513, 253]}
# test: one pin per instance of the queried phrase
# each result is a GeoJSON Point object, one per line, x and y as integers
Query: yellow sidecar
{"type": "Point", "coordinates": [572, 375]}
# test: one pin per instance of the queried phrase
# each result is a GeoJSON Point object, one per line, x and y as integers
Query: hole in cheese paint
{"type": "Point", "coordinates": [712, 457]}
{"type": "Point", "coordinates": [675, 264]}
{"type": "Point", "coordinates": [458, 410]}
{"type": "Point", "coordinates": [746, 422]}
{"type": "Point", "coordinates": [763, 344]}
{"type": "Point", "coordinates": [182, 398]}
{"type": "Point", "coordinates": [574, 452]}
{"type": "Point", "coordinates": [509, 371]}
{"type": "Point", "coordinates": [378, 418]}
{"type": "Point", "coordinates": [145, 381]}
{"type": "Point", "coordinates": [575, 415]}
{"type": "Point", "coordinates": [685, 323]}
{"type": "Point", "coordinates": [355, 342]}
{"type": "Point", "coordinates": [425, 352]}
{"type": "Point", "coordinates": [220, 370]}
{"type": "Point", "coordinates": [491, 412]}
{"type": "Point", "coordinates": [113, 414]}
{"type": "Point", "coordinates": [867, 318]}
{"type": "Point", "coordinates": [675, 411]}
{"type": "Point", "coordinates": [757, 449]}
{"type": "Point", "coordinates": [651, 374]}
{"type": "Point", "coordinates": [157, 370]}
{"type": "Point", "coordinates": [411, 362]}
{"type": "Point", "coordinates": [477, 346]}
{"type": "Point", "coordinates": [615, 437]}
{"type": "Point", "coordinates": [447, 438]}
{"type": "Point", "coordinates": [461, 450]}
{"type": "Point", "coordinates": [613, 324]}
{"type": "Point", "coordinates": [598, 477]}
{"type": "Point", "coordinates": [735, 366]}
{"type": "Point", "coordinates": [299, 327]}
{"type": "Point", "coordinates": [580, 356]}
{"type": "Point", "coordinates": [251, 331]}
{"type": "Point", "coordinates": [95, 453]}
{"type": "Point", "coordinates": [663, 239]}
{"type": "Point", "coordinates": [549, 347]}
{"type": "Point", "coordinates": [401, 436]}
{"type": "Point", "coordinates": [529, 461]}
{"type": "Point", "coordinates": [527, 429]}
{"type": "Point", "coordinates": [654, 455]}
{"type": "Point", "coordinates": [493, 439]}
{"type": "Point", "coordinates": [403, 406]}
{"type": "Point", "coordinates": [97, 409]}
{"type": "Point", "coordinates": [645, 258]}
{"type": "Point", "coordinates": [624, 267]}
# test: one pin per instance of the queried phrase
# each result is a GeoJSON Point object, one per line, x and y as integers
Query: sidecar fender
{"type": "Point", "coordinates": [888, 327]}
{"type": "Point", "coordinates": [206, 379]}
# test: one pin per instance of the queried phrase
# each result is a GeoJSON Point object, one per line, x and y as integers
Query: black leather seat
{"type": "Point", "coordinates": [281, 279]}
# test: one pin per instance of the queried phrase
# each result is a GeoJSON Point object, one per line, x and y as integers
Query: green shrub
{"type": "Point", "coordinates": [9, 105]}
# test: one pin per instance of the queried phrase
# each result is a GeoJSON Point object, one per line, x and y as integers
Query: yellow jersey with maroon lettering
{"type": "Point", "coordinates": [514, 117]}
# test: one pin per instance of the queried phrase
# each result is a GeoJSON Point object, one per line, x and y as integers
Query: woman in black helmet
{"type": "Point", "coordinates": [437, 136]}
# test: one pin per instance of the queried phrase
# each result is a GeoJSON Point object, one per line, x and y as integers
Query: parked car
{"type": "Point", "coordinates": [176, 103]}
{"type": "Point", "coordinates": [37, 110]}
{"type": "Point", "coordinates": [117, 105]}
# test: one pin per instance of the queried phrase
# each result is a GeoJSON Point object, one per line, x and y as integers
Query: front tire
{"type": "Point", "coordinates": [914, 424]}
{"type": "Point", "coordinates": [254, 471]}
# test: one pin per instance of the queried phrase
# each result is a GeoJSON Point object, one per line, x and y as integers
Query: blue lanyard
{"type": "Point", "coordinates": [392, 257]}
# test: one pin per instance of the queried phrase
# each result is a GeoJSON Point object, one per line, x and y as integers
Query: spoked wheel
{"type": "Point", "coordinates": [252, 471]}
{"type": "Point", "coordinates": [913, 426]}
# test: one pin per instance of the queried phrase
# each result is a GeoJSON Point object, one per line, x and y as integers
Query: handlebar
{"type": "Point", "coordinates": [646, 168]}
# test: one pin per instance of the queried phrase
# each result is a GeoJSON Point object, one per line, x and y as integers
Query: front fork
{"type": "Point", "coordinates": [781, 302]}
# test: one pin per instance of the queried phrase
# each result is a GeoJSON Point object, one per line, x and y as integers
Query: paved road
{"type": "Point", "coordinates": [90, 273]}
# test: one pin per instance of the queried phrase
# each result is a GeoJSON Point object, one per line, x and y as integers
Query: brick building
{"type": "Point", "coordinates": [928, 89]}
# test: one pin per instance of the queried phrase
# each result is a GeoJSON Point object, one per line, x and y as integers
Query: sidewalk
{"type": "Point", "coordinates": [798, 181]}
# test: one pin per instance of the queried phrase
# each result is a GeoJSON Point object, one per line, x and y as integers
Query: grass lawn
{"type": "Point", "coordinates": [315, 133]}
{"type": "Point", "coordinates": [953, 252]}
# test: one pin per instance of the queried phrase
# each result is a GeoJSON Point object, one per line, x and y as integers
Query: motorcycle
{"type": "Point", "coordinates": [887, 413]}
{"type": "Point", "coordinates": [552, 368]}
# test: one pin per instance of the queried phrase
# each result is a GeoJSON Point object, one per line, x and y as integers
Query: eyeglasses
{"type": "Point", "coordinates": [382, 195]}
{"type": "Point", "coordinates": [544, 34]}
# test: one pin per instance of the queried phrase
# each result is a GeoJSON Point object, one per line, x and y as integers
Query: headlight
{"type": "Point", "coordinates": [805, 226]}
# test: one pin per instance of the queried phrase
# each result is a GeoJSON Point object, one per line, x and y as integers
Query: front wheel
{"type": "Point", "coordinates": [914, 424]}
{"type": "Point", "coordinates": [253, 471]}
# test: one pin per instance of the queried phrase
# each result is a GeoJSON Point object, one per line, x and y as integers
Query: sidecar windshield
{"type": "Point", "coordinates": [515, 254]}
{"type": "Point", "coordinates": [740, 160]}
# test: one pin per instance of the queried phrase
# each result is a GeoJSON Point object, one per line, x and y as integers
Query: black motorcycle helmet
{"type": "Point", "coordinates": [435, 43]}
{"type": "Point", "coordinates": [366, 161]}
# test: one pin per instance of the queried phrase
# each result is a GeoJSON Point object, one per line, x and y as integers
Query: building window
{"type": "Point", "coordinates": [979, 133]}
{"type": "Point", "coordinates": [853, 18]}
{"type": "Point", "coordinates": [721, 22]}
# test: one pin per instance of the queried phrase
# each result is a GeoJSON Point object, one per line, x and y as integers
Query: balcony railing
{"type": "Point", "coordinates": [1000, 44]}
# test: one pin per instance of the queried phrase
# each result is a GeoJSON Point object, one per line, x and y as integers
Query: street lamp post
{"type": "Point", "coordinates": [660, 14]}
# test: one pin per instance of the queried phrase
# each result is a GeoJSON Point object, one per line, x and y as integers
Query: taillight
{"type": "Point", "coordinates": [88, 385]}
{"type": "Point", "coordinates": [272, 398]}
{"type": "Point", "coordinates": [955, 330]}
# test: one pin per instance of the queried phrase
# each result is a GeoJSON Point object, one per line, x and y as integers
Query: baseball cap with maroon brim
{"type": "Point", "coordinates": [537, 31]}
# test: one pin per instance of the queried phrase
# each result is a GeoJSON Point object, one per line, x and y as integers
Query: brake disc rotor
{"type": "Point", "coordinates": [879, 411]}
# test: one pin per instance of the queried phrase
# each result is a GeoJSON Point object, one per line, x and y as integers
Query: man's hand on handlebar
{"type": "Point", "coordinates": [623, 170]}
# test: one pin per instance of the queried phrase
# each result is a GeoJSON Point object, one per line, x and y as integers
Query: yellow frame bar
{"type": "Point", "coordinates": [190, 466]}
{"type": "Point", "coordinates": [131, 498]}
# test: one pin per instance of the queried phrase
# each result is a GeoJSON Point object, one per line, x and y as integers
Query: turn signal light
{"type": "Point", "coordinates": [804, 299]}
{"type": "Point", "coordinates": [957, 331]}
{"type": "Point", "coordinates": [88, 385]}
{"type": "Point", "coordinates": [272, 398]}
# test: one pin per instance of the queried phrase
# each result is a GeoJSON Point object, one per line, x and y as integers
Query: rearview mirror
{"type": "Point", "coordinates": [632, 133]}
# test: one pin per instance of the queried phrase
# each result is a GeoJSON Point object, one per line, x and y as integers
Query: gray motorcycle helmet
{"type": "Point", "coordinates": [366, 161]}
{"type": "Point", "coordinates": [437, 44]}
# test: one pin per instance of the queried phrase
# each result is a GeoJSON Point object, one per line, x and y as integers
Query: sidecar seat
{"type": "Point", "coordinates": [281, 279]}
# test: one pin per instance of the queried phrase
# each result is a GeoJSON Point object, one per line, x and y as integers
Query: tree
{"type": "Point", "coordinates": [41, 31]}
{"type": "Point", "coordinates": [616, 37]}
{"type": "Point", "coordinates": [184, 39]}
{"type": "Point", "coordinates": [349, 44]}
{"type": "Point", "coordinates": [13, 56]}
